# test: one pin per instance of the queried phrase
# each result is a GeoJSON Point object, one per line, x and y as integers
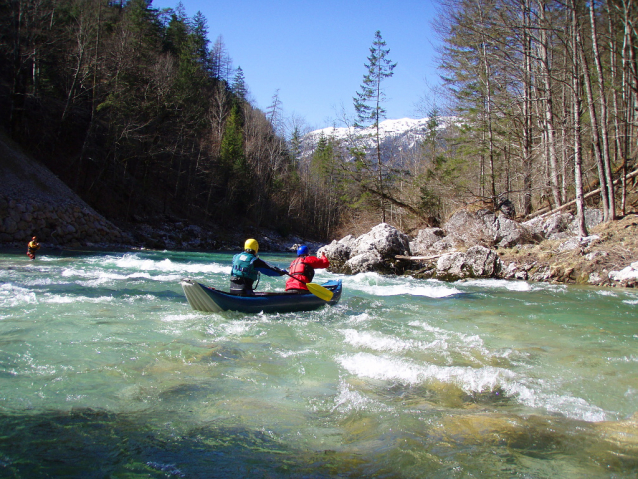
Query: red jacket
{"type": "Point", "coordinates": [303, 268]}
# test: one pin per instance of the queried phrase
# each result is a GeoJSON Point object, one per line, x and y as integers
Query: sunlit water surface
{"type": "Point", "coordinates": [105, 371]}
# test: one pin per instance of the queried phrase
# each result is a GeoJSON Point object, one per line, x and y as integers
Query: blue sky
{"type": "Point", "coordinates": [314, 52]}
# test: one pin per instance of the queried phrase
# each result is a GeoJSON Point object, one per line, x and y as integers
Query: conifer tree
{"type": "Point", "coordinates": [239, 85]}
{"type": "Point", "coordinates": [368, 102]}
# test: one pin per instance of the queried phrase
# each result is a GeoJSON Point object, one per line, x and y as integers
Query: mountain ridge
{"type": "Point", "coordinates": [396, 134]}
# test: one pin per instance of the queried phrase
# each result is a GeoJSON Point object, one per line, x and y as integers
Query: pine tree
{"type": "Point", "coordinates": [239, 85]}
{"type": "Point", "coordinates": [368, 102]}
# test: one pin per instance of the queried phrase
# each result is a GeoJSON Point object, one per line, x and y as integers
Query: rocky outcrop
{"type": "Point", "coordinates": [57, 224]}
{"type": "Point", "coordinates": [425, 240]}
{"type": "Point", "coordinates": [476, 262]}
{"type": "Point", "coordinates": [627, 277]}
{"type": "Point", "coordinates": [33, 201]}
{"type": "Point", "coordinates": [373, 251]}
{"type": "Point", "coordinates": [544, 249]}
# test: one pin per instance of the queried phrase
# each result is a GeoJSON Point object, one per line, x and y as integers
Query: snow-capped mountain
{"type": "Point", "coordinates": [396, 135]}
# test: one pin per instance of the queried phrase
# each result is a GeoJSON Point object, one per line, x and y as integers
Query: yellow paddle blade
{"type": "Point", "coordinates": [319, 291]}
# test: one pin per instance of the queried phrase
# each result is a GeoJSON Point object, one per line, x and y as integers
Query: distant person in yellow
{"type": "Point", "coordinates": [32, 247]}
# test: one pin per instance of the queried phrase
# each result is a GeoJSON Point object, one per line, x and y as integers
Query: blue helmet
{"type": "Point", "coordinates": [302, 250]}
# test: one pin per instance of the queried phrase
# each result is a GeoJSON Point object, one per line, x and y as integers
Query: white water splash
{"type": "Point", "coordinates": [499, 284]}
{"type": "Point", "coordinates": [470, 380]}
{"type": "Point", "coordinates": [377, 285]}
{"type": "Point", "coordinates": [133, 261]}
{"type": "Point", "coordinates": [380, 342]}
{"type": "Point", "coordinates": [12, 296]}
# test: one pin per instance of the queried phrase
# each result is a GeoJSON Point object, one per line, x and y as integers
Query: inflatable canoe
{"type": "Point", "coordinates": [211, 300]}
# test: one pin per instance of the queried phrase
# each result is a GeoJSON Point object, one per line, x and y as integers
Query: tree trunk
{"type": "Point", "coordinates": [603, 115]}
{"type": "Point", "coordinates": [595, 129]}
{"type": "Point", "coordinates": [549, 130]}
{"type": "Point", "coordinates": [578, 175]}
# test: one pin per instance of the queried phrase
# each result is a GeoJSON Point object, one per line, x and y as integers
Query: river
{"type": "Point", "coordinates": [106, 371]}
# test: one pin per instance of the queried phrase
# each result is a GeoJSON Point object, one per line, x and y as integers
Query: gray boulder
{"type": "Point", "coordinates": [373, 251]}
{"type": "Point", "coordinates": [470, 228]}
{"type": "Point", "coordinates": [556, 224]}
{"type": "Point", "coordinates": [424, 240]}
{"type": "Point", "coordinates": [365, 262]}
{"type": "Point", "coordinates": [445, 245]}
{"type": "Point", "coordinates": [385, 240]}
{"type": "Point", "coordinates": [593, 217]}
{"type": "Point", "coordinates": [577, 242]}
{"type": "Point", "coordinates": [561, 225]}
{"type": "Point", "coordinates": [451, 266]}
{"type": "Point", "coordinates": [510, 233]}
{"type": "Point", "coordinates": [477, 262]}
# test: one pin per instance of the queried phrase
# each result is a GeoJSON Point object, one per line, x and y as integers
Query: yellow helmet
{"type": "Point", "coordinates": [251, 244]}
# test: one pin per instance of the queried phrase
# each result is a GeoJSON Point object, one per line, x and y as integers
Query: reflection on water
{"type": "Point", "coordinates": [105, 371]}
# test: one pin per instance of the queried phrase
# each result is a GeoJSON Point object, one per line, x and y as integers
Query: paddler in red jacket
{"type": "Point", "coordinates": [303, 269]}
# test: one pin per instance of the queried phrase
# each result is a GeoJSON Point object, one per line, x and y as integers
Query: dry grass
{"type": "Point", "coordinates": [616, 249]}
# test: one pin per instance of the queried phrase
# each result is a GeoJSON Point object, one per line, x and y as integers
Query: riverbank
{"type": "Point", "coordinates": [33, 201]}
{"type": "Point", "coordinates": [613, 248]}
{"type": "Point", "coordinates": [470, 246]}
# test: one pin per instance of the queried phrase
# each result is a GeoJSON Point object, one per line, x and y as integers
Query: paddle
{"type": "Point", "coordinates": [316, 289]}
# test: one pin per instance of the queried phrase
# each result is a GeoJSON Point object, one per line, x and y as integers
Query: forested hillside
{"type": "Point", "coordinates": [142, 117]}
{"type": "Point", "coordinates": [137, 112]}
{"type": "Point", "coordinates": [550, 91]}
{"type": "Point", "coordinates": [545, 97]}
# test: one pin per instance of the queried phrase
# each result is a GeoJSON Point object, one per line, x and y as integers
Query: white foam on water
{"type": "Point", "coordinates": [348, 400]}
{"type": "Point", "coordinates": [360, 318]}
{"type": "Point", "coordinates": [96, 277]}
{"type": "Point", "coordinates": [604, 292]}
{"type": "Point", "coordinates": [625, 359]}
{"type": "Point", "coordinates": [133, 261]}
{"type": "Point", "coordinates": [179, 317]}
{"type": "Point", "coordinates": [140, 297]}
{"type": "Point", "coordinates": [43, 281]}
{"type": "Point", "coordinates": [553, 288]}
{"type": "Point", "coordinates": [381, 342]}
{"type": "Point", "coordinates": [630, 301]}
{"type": "Point", "coordinates": [387, 368]}
{"type": "Point", "coordinates": [289, 354]}
{"type": "Point", "coordinates": [377, 285]}
{"type": "Point", "coordinates": [232, 328]}
{"type": "Point", "coordinates": [470, 380]}
{"type": "Point", "coordinates": [473, 341]}
{"type": "Point", "coordinates": [499, 284]}
{"type": "Point", "coordinates": [66, 299]}
{"type": "Point", "coordinates": [12, 296]}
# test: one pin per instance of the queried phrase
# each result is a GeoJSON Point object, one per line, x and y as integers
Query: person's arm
{"type": "Point", "coordinates": [320, 263]}
{"type": "Point", "coordinates": [261, 265]}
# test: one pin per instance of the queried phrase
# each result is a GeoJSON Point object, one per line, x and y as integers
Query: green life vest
{"type": "Point", "coordinates": [243, 266]}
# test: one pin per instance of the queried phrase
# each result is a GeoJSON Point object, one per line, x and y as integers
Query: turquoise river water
{"type": "Point", "coordinates": [105, 371]}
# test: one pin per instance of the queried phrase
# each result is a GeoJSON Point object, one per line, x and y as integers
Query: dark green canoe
{"type": "Point", "coordinates": [211, 300]}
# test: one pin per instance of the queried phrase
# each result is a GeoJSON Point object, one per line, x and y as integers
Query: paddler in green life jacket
{"type": "Point", "coordinates": [244, 272]}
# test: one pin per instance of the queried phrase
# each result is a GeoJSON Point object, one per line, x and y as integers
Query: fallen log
{"type": "Point", "coordinates": [417, 258]}
{"type": "Point", "coordinates": [588, 195]}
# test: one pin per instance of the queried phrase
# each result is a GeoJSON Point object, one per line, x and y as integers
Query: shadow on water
{"type": "Point", "coordinates": [90, 443]}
